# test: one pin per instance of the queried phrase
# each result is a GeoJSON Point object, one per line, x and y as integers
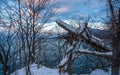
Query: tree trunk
{"type": "Point", "coordinates": [115, 69]}
{"type": "Point", "coordinates": [116, 52]}
{"type": "Point", "coordinates": [69, 68]}
{"type": "Point", "coordinates": [5, 68]}
{"type": "Point", "coordinates": [115, 61]}
{"type": "Point", "coordinates": [39, 56]}
{"type": "Point", "coordinates": [116, 39]}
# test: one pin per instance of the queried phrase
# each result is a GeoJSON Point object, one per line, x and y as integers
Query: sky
{"type": "Point", "coordinates": [70, 8]}
{"type": "Point", "coordinates": [67, 9]}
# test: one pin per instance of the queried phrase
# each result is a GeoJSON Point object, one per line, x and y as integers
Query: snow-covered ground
{"type": "Point", "coordinates": [99, 72]}
{"type": "Point", "coordinates": [35, 71]}
{"type": "Point", "coordinates": [48, 71]}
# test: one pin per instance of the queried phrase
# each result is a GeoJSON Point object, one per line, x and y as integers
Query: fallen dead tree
{"type": "Point", "coordinates": [82, 34]}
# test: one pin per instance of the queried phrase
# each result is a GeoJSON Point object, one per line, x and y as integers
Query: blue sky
{"type": "Point", "coordinates": [66, 9]}
{"type": "Point", "coordinates": [69, 8]}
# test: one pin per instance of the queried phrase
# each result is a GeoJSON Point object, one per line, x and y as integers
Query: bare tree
{"type": "Point", "coordinates": [27, 18]}
{"type": "Point", "coordinates": [6, 46]}
{"type": "Point", "coordinates": [115, 23]}
{"type": "Point", "coordinates": [33, 14]}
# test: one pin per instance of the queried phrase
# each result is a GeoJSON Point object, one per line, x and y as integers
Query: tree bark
{"type": "Point", "coordinates": [69, 68]}
{"type": "Point", "coordinates": [116, 56]}
{"type": "Point", "coordinates": [116, 48]}
{"type": "Point", "coordinates": [116, 52]}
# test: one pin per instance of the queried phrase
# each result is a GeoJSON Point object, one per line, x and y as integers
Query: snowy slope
{"type": "Point", "coordinates": [41, 71]}
{"type": "Point", "coordinates": [99, 72]}
{"type": "Point", "coordinates": [48, 71]}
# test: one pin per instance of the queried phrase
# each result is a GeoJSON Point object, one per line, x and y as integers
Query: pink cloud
{"type": "Point", "coordinates": [64, 9]}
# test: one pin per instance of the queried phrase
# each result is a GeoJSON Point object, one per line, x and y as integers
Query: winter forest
{"type": "Point", "coordinates": [59, 37]}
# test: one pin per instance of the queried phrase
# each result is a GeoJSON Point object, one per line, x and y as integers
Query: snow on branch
{"type": "Point", "coordinates": [66, 26]}
{"type": "Point", "coordinates": [82, 28]}
{"type": "Point", "coordinates": [101, 54]}
{"type": "Point", "coordinates": [64, 61]}
{"type": "Point", "coordinates": [66, 58]}
{"type": "Point", "coordinates": [94, 41]}
{"type": "Point", "coordinates": [78, 55]}
{"type": "Point", "coordinates": [70, 49]}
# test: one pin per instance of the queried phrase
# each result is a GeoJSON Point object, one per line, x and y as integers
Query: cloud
{"type": "Point", "coordinates": [97, 4]}
{"type": "Point", "coordinates": [61, 10]}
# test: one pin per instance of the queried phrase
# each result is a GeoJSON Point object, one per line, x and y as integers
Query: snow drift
{"type": "Point", "coordinates": [48, 71]}
{"type": "Point", "coordinates": [35, 71]}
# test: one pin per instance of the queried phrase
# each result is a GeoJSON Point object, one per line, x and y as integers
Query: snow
{"type": "Point", "coordinates": [97, 53]}
{"type": "Point", "coordinates": [99, 72]}
{"type": "Point", "coordinates": [66, 26]}
{"type": "Point", "coordinates": [96, 38]}
{"type": "Point", "coordinates": [93, 39]}
{"type": "Point", "coordinates": [41, 71]}
{"type": "Point", "coordinates": [102, 54]}
{"type": "Point", "coordinates": [48, 71]}
{"type": "Point", "coordinates": [82, 28]}
{"type": "Point", "coordinates": [63, 61]}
